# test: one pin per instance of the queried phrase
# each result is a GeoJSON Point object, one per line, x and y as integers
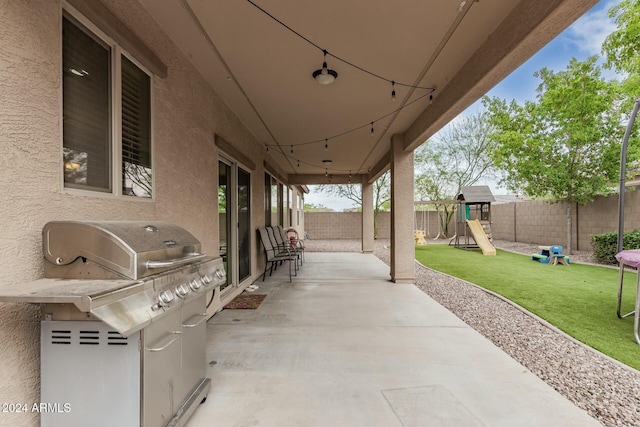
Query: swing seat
{"type": "Point", "coordinates": [418, 237]}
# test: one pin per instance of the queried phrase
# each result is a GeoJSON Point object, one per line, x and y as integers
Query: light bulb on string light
{"type": "Point", "coordinates": [372, 131]}
{"type": "Point", "coordinates": [393, 90]}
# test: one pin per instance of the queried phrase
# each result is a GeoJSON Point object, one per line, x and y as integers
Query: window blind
{"type": "Point", "coordinates": [86, 109]}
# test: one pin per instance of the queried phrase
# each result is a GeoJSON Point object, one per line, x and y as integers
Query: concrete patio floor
{"type": "Point", "coordinates": [344, 346]}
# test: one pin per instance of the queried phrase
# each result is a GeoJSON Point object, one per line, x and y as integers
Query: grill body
{"type": "Point", "coordinates": [123, 331]}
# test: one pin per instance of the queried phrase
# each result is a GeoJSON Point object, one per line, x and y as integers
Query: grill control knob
{"type": "Point", "coordinates": [206, 279]}
{"type": "Point", "coordinates": [182, 290]}
{"type": "Point", "coordinates": [220, 274]}
{"type": "Point", "coordinates": [195, 284]}
{"type": "Point", "coordinates": [165, 298]}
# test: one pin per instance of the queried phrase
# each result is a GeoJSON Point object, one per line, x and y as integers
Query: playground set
{"type": "Point", "coordinates": [472, 210]}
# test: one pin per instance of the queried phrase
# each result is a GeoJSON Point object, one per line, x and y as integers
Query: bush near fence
{"type": "Point", "coordinates": [605, 246]}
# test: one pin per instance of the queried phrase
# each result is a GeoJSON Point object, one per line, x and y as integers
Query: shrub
{"type": "Point", "coordinates": [605, 246]}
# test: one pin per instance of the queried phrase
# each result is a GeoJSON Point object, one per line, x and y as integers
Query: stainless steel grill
{"type": "Point", "coordinates": [123, 336]}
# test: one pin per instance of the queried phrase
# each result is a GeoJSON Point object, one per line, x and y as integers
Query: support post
{"type": "Point", "coordinates": [368, 232]}
{"type": "Point", "coordinates": [402, 243]}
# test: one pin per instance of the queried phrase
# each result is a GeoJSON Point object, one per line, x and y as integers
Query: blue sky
{"type": "Point", "coordinates": [582, 39]}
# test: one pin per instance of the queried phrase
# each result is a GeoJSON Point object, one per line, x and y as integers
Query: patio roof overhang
{"type": "Point", "coordinates": [263, 69]}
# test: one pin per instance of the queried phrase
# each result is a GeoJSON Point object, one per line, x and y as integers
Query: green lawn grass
{"type": "Point", "coordinates": [579, 299]}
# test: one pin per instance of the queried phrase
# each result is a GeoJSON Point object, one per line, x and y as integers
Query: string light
{"type": "Point", "coordinates": [326, 173]}
{"type": "Point", "coordinates": [331, 72]}
{"type": "Point", "coordinates": [351, 64]}
{"type": "Point", "coordinates": [369, 124]}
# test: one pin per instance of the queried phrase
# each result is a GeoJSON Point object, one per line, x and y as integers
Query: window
{"type": "Point", "coordinates": [267, 200]}
{"type": "Point", "coordinates": [106, 115]}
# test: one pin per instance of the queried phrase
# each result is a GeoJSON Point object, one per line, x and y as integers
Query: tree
{"type": "Point", "coordinates": [565, 145]}
{"type": "Point", "coordinates": [455, 157]}
{"type": "Point", "coordinates": [622, 47]}
{"type": "Point", "coordinates": [622, 51]}
{"type": "Point", "coordinates": [353, 192]}
{"type": "Point", "coordinates": [310, 207]}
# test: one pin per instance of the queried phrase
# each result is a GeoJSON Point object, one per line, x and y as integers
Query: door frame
{"type": "Point", "coordinates": [233, 234]}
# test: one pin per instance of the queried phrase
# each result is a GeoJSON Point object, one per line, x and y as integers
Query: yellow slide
{"type": "Point", "coordinates": [480, 237]}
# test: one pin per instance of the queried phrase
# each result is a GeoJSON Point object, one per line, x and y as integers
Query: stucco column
{"type": "Point", "coordinates": [367, 216]}
{"type": "Point", "coordinates": [402, 243]}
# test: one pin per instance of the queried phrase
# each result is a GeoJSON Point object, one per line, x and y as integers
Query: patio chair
{"type": "Point", "coordinates": [274, 255]}
{"type": "Point", "coordinates": [279, 244]}
{"type": "Point", "coordinates": [296, 244]}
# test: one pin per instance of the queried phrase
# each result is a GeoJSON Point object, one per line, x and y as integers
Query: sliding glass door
{"type": "Point", "coordinates": [244, 224]}
{"type": "Point", "coordinates": [225, 200]}
{"type": "Point", "coordinates": [234, 214]}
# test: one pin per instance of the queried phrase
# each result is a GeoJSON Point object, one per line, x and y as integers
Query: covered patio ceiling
{"type": "Point", "coordinates": [259, 56]}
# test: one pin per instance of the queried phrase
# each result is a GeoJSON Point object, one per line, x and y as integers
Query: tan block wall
{"type": "Point", "coordinates": [544, 223]}
{"type": "Point", "coordinates": [537, 222]}
{"type": "Point", "coordinates": [342, 225]}
{"type": "Point", "coordinates": [348, 225]}
{"type": "Point", "coordinates": [333, 225]}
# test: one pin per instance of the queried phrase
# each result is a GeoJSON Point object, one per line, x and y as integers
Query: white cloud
{"type": "Point", "coordinates": [588, 33]}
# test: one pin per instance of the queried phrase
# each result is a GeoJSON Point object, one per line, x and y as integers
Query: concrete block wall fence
{"type": "Point", "coordinates": [537, 221]}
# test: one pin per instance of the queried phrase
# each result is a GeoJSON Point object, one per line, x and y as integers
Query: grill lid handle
{"type": "Point", "coordinates": [174, 262]}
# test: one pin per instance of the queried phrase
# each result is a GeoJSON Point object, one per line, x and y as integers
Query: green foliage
{"type": "Point", "coordinates": [457, 156]}
{"type": "Point", "coordinates": [310, 207]}
{"type": "Point", "coordinates": [353, 192]}
{"type": "Point", "coordinates": [565, 145]}
{"type": "Point", "coordinates": [622, 47]}
{"type": "Point", "coordinates": [605, 246]}
{"type": "Point", "coordinates": [579, 299]}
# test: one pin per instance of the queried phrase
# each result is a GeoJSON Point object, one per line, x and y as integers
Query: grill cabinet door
{"type": "Point", "coordinates": [162, 371]}
{"type": "Point", "coordinates": [90, 375]}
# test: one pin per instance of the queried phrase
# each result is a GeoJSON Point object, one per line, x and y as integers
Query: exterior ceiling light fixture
{"type": "Point", "coordinates": [327, 162]}
{"type": "Point", "coordinates": [325, 76]}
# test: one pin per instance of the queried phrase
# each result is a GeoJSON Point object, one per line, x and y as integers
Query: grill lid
{"type": "Point", "coordinates": [133, 249]}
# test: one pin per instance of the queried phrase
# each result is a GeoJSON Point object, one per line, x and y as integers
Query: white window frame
{"type": "Point", "coordinates": [116, 113]}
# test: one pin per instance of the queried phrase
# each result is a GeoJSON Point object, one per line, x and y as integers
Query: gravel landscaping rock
{"type": "Point", "coordinates": [608, 390]}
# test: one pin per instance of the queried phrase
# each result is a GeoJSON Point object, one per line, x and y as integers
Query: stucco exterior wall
{"type": "Point", "coordinates": [187, 115]}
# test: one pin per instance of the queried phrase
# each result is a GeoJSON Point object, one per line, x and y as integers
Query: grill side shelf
{"type": "Point", "coordinates": [65, 291]}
